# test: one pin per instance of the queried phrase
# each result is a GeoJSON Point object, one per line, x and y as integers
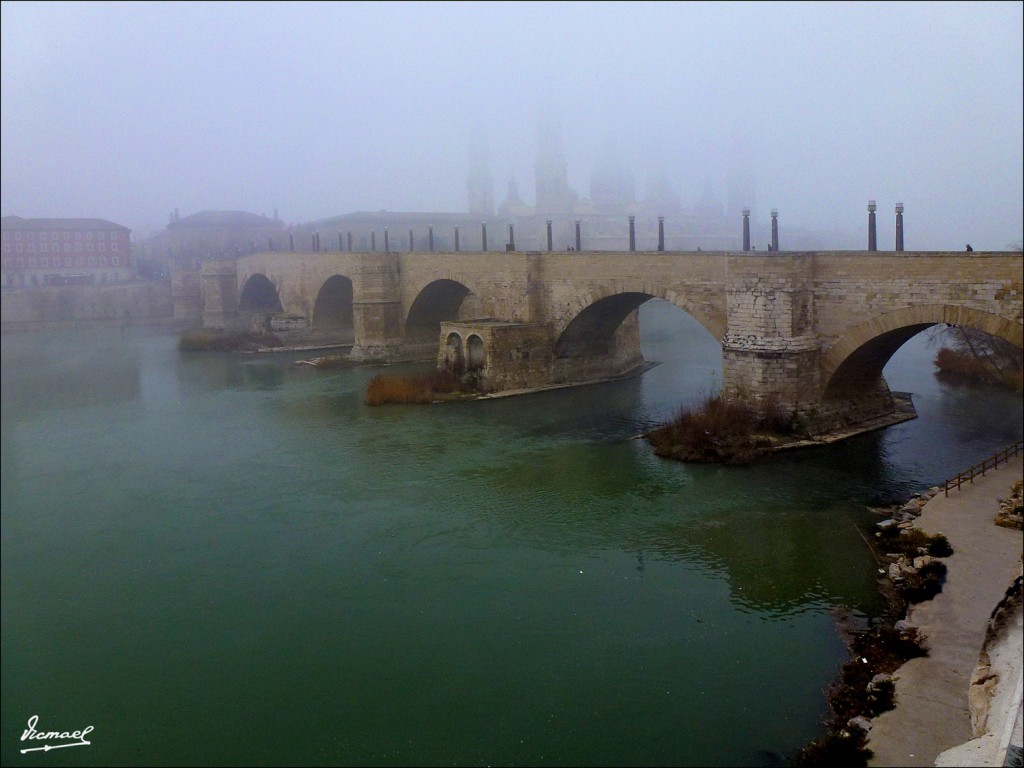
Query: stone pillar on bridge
{"type": "Point", "coordinates": [341, 242]}
{"type": "Point", "coordinates": [456, 239]}
{"type": "Point", "coordinates": [775, 229]}
{"type": "Point", "coordinates": [219, 286]}
{"type": "Point", "coordinates": [770, 352]}
{"type": "Point", "coordinates": [661, 233]}
{"type": "Point", "coordinates": [291, 242]}
{"type": "Point", "coordinates": [746, 229]}
{"type": "Point", "coordinates": [578, 240]}
{"type": "Point", "coordinates": [511, 239]}
{"type": "Point", "coordinates": [387, 244]}
{"type": "Point", "coordinates": [549, 235]}
{"type": "Point", "coordinates": [872, 235]}
{"type": "Point", "coordinates": [430, 237]}
{"type": "Point", "coordinates": [483, 236]}
{"type": "Point", "coordinates": [632, 232]}
{"type": "Point", "coordinates": [410, 242]}
{"type": "Point", "coordinates": [373, 241]}
{"type": "Point", "coordinates": [899, 227]}
{"type": "Point", "coordinates": [348, 238]}
{"type": "Point", "coordinates": [377, 308]}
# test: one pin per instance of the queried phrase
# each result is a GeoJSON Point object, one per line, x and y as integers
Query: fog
{"type": "Point", "coordinates": [127, 111]}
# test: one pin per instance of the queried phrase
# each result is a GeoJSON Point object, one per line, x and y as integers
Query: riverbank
{"type": "Point", "coordinates": [933, 712]}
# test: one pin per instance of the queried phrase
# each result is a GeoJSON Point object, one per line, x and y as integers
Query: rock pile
{"type": "Point", "coordinates": [1011, 510]}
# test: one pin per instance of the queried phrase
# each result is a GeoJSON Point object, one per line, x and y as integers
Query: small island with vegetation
{"type": "Point", "coordinates": [723, 431]}
{"type": "Point", "coordinates": [442, 385]}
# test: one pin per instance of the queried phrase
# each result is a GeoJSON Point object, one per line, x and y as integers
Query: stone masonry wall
{"type": "Point", "coordinates": [133, 301]}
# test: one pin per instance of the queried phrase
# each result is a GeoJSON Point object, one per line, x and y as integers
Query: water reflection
{"type": "Point", "coordinates": [41, 373]}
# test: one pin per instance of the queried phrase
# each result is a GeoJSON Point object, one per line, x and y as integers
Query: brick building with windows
{"type": "Point", "coordinates": [48, 252]}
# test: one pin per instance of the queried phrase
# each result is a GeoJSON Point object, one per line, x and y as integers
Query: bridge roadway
{"type": "Point", "coordinates": [808, 331]}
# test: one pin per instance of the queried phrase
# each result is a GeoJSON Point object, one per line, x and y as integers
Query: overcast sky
{"type": "Point", "coordinates": [125, 111]}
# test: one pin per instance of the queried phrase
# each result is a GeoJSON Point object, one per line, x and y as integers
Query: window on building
{"type": "Point", "coordinates": [67, 247]}
{"type": "Point", "coordinates": [114, 261]}
{"type": "Point", "coordinates": [31, 235]}
{"type": "Point", "coordinates": [67, 235]}
{"type": "Point", "coordinates": [44, 262]}
{"type": "Point", "coordinates": [103, 261]}
{"type": "Point", "coordinates": [88, 247]}
{"type": "Point", "coordinates": [44, 247]}
{"type": "Point", "coordinates": [79, 261]}
{"type": "Point", "coordinates": [31, 261]}
{"type": "Point", "coordinates": [7, 247]}
{"type": "Point", "coordinates": [91, 261]}
{"type": "Point", "coordinates": [78, 247]}
{"type": "Point", "coordinates": [113, 246]}
{"type": "Point", "coordinates": [67, 261]}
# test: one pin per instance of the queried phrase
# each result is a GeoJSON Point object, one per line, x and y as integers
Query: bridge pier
{"type": "Point", "coordinates": [377, 314]}
{"type": "Point", "coordinates": [770, 353]}
{"type": "Point", "coordinates": [219, 286]}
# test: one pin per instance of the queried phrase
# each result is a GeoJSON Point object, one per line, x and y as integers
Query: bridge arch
{"type": "Point", "coordinates": [454, 353]}
{"type": "Point", "coordinates": [598, 313]}
{"type": "Point", "coordinates": [857, 359]}
{"type": "Point", "coordinates": [437, 301]}
{"type": "Point", "coordinates": [333, 309]}
{"type": "Point", "coordinates": [474, 353]}
{"type": "Point", "coordinates": [259, 295]}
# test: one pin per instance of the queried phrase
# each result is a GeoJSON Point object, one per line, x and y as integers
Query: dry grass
{"type": "Point", "coordinates": [422, 388]}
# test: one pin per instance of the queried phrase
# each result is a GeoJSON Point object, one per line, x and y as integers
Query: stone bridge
{"type": "Point", "coordinates": [809, 332]}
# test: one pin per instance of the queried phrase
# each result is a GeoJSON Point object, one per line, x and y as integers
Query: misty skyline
{"type": "Point", "coordinates": [126, 111]}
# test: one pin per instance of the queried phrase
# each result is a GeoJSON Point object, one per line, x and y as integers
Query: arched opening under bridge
{"type": "Point", "coordinates": [438, 301]}
{"type": "Point", "coordinates": [333, 312]}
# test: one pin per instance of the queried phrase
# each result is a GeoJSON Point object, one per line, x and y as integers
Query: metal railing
{"type": "Point", "coordinates": [979, 469]}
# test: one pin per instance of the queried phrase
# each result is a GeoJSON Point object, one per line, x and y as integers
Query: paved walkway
{"type": "Point", "coordinates": [931, 713]}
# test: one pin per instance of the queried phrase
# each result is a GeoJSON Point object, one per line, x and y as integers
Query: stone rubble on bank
{"type": "Point", "coordinates": [900, 568]}
{"type": "Point", "coordinates": [1009, 514]}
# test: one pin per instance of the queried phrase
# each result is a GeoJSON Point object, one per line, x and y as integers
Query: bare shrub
{"type": "Point", "coordinates": [421, 388]}
{"type": "Point", "coordinates": [728, 431]}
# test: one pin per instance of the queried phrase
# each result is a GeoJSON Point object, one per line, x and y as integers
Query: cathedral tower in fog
{"type": "Point", "coordinates": [612, 184]}
{"type": "Point", "coordinates": [741, 189]}
{"type": "Point", "coordinates": [554, 195]}
{"type": "Point", "coordinates": [480, 184]}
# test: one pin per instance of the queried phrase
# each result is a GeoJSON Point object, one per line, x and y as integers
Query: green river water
{"type": "Point", "coordinates": [231, 560]}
